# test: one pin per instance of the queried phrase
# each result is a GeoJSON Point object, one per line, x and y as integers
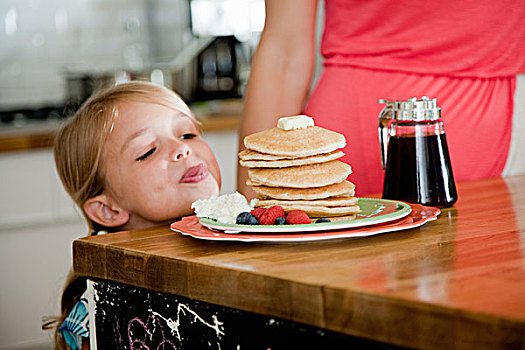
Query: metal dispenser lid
{"type": "Point", "coordinates": [413, 109]}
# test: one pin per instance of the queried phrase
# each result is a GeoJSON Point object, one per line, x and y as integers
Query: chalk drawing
{"type": "Point", "coordinates": [217, 326]}
{"type": "Point", "coordinates": [116, 327]}
{"type": "Point", "coordinates": [137, 342]}
{"type": "Point", "coordinates": [141, 333]}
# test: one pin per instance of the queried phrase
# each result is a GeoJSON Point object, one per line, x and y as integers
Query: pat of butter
{"type": "Point", "coordinates": [295, 122]}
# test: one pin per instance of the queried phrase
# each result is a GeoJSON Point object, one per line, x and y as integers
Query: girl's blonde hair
{"type": "Point", "coordinates": [78, 150]}
{"type": "Point", "coordinates": [80, 141]}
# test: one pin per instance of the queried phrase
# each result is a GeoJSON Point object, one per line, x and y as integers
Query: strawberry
{"type": "Point", "coordinates": [297, 217]}
{"type": "Point", "coordinates": [258, 212]}
{"type": "Point", "coordinates": [272, 213]}
{"type": "Point", "coordinates": [278, 210]}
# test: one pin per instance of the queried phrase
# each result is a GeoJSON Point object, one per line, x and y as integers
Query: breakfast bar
{"type": "Point", "coordinates": [457, 282]}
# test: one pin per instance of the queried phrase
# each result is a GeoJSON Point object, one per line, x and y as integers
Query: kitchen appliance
{"type": "Point", "coordinates": [414, 153]}
{"type": "Point", "coordinates": [217, 75]}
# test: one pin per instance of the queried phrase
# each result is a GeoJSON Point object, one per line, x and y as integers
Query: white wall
{"type": "Point", "coordinates": [38, 224]}
{"type": "Point", "coordinates": [40, 39]}
{"type": "Point", "coordinates": [224, 145]}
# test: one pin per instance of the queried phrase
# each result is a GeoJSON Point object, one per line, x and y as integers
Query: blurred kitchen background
{"type": "Point", "coordinates": [53, 54]}
{"type": "Point", "coordinates": [56, 51]}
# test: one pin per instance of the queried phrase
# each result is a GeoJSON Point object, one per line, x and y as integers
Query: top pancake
{"type": "Point", "coordinates": [295, 143]}
{"type": "Point", "coordinates": [283, 163]}
{"type": "Point", "coordinates": [249, 155]}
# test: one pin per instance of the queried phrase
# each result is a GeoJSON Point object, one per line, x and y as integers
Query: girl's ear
{"type": "Point", "coordinates": [102, 210]}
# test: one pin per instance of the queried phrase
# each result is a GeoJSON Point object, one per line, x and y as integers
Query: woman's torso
{"type": "Point", "coordinates": [384, 49]}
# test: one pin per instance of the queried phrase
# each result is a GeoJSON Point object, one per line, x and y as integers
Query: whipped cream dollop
{"type": "Point", "coordinates": [224, 208]}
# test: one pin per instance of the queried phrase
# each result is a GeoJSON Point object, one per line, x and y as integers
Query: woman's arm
{"type": "Point", "coordinates": [281, 70]}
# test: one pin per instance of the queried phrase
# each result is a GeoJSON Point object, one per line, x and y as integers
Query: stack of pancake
{"type": "Point", "coordinates": [295, 166]}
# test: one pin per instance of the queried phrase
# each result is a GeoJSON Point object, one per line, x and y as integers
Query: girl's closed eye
{"type": "Point", "coordinates": [147, 154]}
{"type": "Point", "coordinates": [187, 136]}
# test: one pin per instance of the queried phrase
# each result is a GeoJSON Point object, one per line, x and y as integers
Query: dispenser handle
{"type": "Point", "coordinates": [384, 119]}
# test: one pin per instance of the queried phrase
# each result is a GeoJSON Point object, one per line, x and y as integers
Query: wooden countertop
{"type": "Point", "coordinates": [41, 134]}
{"type": "Point", "coordinates": [457, 282]}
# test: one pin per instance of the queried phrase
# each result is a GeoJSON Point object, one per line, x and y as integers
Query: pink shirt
{"type": "Point", "coordinates": [461, 38]}
{"type": "Point", "coordinates": [465, 53]}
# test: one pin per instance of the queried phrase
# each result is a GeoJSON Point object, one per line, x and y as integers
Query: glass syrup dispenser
{"type": "Point", "coordinates": [414, 153]}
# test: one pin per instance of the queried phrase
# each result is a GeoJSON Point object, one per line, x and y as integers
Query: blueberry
{"type": "Point", "coordinates": [280, 221]}
{"type": "Point", "coordinates": [242, 218]}
{"type": "Point", "coordinates": [246, 218]}
{"type": "Point", "coordinates": [321, 220]}
{"type": "Point", "coordinates": [252, 220]}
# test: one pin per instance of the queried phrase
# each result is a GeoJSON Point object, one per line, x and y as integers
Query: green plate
{"type": "Point", "coordinates": [373, 211]}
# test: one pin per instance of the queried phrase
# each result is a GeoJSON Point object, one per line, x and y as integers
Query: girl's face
{"type": "Point", "coordinates": [157, 164]}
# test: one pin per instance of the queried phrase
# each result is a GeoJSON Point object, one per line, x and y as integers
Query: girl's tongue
{"type": "Point", "coordinates": [195, 174]}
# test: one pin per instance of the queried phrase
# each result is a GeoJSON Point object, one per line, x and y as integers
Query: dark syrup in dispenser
{"type": "Point", "coordinates": [415, 154]}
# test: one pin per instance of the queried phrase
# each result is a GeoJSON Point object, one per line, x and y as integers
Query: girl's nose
{"type": "Point", "coordinates": [180, 151]}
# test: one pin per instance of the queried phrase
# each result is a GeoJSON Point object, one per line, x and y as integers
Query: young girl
{"type": "Point", "coordinates": [131, 157]}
